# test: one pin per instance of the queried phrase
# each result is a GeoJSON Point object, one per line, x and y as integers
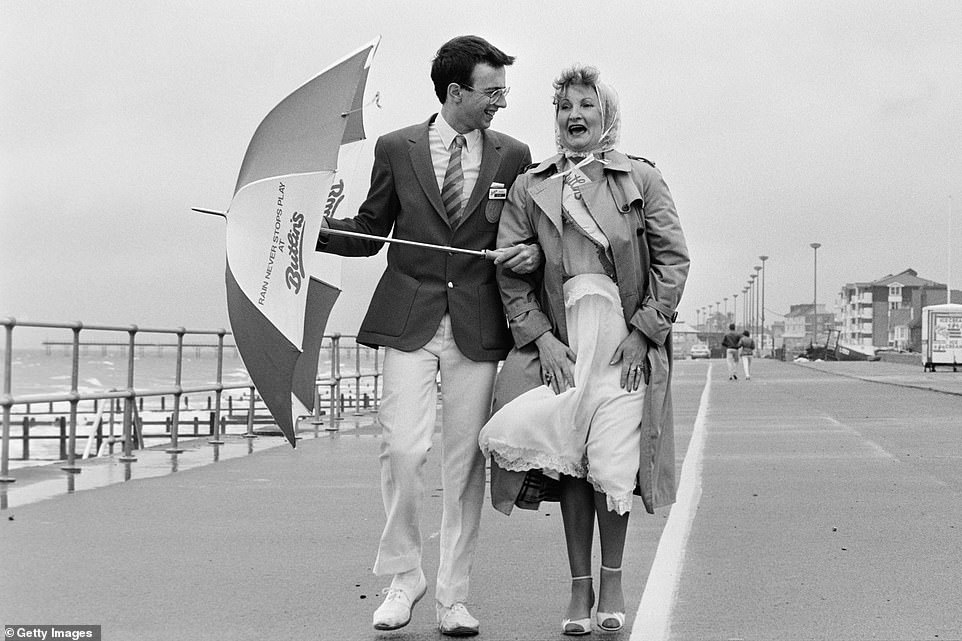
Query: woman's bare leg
{"type": "Point", "coordinates": [612, 529]}
{"type": "Point", "coordinates": [578, 514]}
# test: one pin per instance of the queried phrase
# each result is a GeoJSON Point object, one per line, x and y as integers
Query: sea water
{"type": "Point", "coordinates": [44, 371]}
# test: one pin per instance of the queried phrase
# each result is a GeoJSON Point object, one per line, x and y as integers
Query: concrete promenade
{"type": "Point", "coordinates": [815, 504]}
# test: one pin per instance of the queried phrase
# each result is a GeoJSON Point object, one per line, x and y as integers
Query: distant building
{"type": "Point", "coordinates": [801, 323]}
{"type": "Point", "coordinates": [925, 298]}
{"type": "Point", "coordinates": [886, 312]}
{"type": "Point", "coordinates": [683, 336]}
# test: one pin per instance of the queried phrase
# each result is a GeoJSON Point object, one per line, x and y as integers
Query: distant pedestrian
{"type": "Point", "coordinates": [730, 343]}
{"type": "Point", "coordinates": [747, 346]}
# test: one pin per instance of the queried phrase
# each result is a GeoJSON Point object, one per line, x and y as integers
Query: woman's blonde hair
{"type": "Point", "coordinates": [589, 76]}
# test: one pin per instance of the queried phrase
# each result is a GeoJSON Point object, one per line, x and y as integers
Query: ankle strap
{"type": "Point", "coordinates": [604, 567]}
{"type": "Point", "coordinates": [581, 578]}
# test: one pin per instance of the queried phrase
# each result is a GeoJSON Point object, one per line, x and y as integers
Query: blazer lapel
{"type": "Point", "coordinates": [490, 163]}
{"type": "Point", "coordinates": [423, 166]}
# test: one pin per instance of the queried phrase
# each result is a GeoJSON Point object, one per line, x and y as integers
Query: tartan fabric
{"type": "Point", "coordinates": [536, 488]}
{"type": "Point", "coordinates": [453, 183]}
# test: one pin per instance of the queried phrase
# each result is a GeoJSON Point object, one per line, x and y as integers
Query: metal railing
{"type": "Point", "coordinates": [132, 436]}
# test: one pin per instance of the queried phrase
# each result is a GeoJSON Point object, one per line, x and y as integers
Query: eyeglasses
{"type": "Point", "coordinates": [493, 95]}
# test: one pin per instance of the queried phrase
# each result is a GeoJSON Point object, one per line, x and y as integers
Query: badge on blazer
{"type": "Point", "coordinates": [497, 191]}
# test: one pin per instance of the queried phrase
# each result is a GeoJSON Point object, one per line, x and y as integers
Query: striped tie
{"type": "Point", "coordinates": [453, 183]}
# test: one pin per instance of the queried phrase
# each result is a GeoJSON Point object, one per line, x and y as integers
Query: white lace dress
{"type": "Point", "coordinates": [591, 430]}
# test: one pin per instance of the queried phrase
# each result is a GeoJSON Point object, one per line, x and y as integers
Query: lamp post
{"type": "Point", "coordinates": [725, 298]}
{"type": "Point", "coordinates": [763, 259]}
{"type": "Point", "coordinates": [745, 305]}
{"type": "Point", "coordinates": [758, 269]}
{"type": "Point", "coordinates": [735, 308]}
{"type": "Point", "coordinates": [754, 295]}
{"type": "Point", "coordinates": [815, 247]}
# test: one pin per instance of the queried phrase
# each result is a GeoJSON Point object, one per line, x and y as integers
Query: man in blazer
{"type": "Point", "coordinates": [438, 311]}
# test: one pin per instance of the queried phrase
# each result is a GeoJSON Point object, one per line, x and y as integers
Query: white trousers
{"type": "Point", "coordinates": [408, 415]}
{"type": "Point", "coordinates": [731, 357]}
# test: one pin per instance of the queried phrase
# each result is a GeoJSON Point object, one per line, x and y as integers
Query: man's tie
{"type": "Point", "coordinates": [453, 183]}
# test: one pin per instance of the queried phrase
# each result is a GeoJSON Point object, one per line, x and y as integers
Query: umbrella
{"type": "Point", "coordinates": [280, 292]}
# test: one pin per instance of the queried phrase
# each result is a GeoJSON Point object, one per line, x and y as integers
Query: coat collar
{"type": "Point", "coordinates": [547, 192]}
{"type": "Point", "coordinates": [617, 161]}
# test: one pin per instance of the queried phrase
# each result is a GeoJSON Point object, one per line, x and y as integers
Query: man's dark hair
{"type": "Point", "coordinates": [455, 61]}
{"type": "Point", "coordinates": [731, 326]}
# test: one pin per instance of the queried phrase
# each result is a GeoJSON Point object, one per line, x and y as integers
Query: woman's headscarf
{"type": "Point", "coordinates": [607, 102]}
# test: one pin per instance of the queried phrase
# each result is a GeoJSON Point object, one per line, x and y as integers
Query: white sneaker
{"type": "Point", "coordinates": [456, 621]}
{"type": "Point", "coordinates": [395, 611]}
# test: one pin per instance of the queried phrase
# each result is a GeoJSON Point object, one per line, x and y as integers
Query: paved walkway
{"type": "Point", "coordinates": [944, 380]}
{"type": "Point", "coordinates": [821, 512]}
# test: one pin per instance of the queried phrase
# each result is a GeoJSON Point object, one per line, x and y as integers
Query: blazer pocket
{"type": "Point", "coordinates": [492, 210]}
{"type": "Point", "coordinates": [391, 304]}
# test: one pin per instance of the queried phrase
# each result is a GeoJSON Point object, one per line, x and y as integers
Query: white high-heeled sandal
{"type": "Point", "coordinates": [578, 627]}
{"type": "Point", "coordinates": [605, 619]}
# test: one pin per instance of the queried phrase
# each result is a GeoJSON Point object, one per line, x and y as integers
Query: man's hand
{"type": "Point", "coordinates": [521, 258]}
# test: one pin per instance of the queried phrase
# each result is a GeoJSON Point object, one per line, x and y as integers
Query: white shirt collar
{"type": "Point", "coordinates": [471, 139]}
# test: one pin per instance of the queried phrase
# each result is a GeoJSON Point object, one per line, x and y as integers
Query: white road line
{"type": "Point", "coordinates": [652, 622]}
{"type": "Point", "coordinates": [880, 451]}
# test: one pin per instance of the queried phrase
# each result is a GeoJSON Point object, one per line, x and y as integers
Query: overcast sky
{"type": "Point", "coordinates": [775, 124]}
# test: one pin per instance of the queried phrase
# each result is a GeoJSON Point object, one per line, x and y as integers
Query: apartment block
{"type": "Point", "coordinates": [882, 313]}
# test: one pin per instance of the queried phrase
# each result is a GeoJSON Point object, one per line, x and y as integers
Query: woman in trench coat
{"type": "Point", "coordinates": [583, 403]}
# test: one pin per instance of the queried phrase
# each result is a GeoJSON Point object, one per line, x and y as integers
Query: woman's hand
{"type": "Point", "coordinates": [557, 361]}
{"type": "Point", "coordinates": [633, 354]}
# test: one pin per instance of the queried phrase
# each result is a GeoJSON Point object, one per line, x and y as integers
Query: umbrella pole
{"type": "Point", "coordinates": [210, 211]}
{"type": "Point", "coordinates": [400, 241]}
{"type": "Point", "coordinates": [481, 253]}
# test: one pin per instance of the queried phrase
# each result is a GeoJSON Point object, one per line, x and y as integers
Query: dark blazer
{"type": "Point", "coordinates": [419, 285]}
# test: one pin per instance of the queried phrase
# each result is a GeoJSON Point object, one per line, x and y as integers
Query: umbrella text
{"type": "Point", "coordinates": [295, 240]}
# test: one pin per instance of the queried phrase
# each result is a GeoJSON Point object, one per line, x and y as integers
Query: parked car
{"type": "Point", "coordinates": [699, 350]}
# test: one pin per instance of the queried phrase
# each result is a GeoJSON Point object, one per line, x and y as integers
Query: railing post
{"type": "Point", "coordinates": [357, 379]}
{"type": "Point", "coordinates": [377, 375]}
{"type": "Point", "coordinates": [334, 415]}
{"type": "Point", "coordinates": [129, 400]}
{"type": "Point", "coordinates": [250, 416]}
{"type": "Point", "coordinates": [62, 423]}
{"type": "Point", "coordinates": [75, 399]}
{"type": "Point", "coordinates": [178, 377]}
{"type": "Point", "coordinates": [111, 435]}
{"type": "Point", "coordinates": [316, 414]}
{"type": "Point", "coordinates": [216, 440]}
{"type": "Point", "coordinates": [25, 435]}
{"type": "Point", "coordinates": [5, 477]}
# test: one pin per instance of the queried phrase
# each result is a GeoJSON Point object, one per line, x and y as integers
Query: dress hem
{"type": "Point", "coordinates": [519, 459]}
